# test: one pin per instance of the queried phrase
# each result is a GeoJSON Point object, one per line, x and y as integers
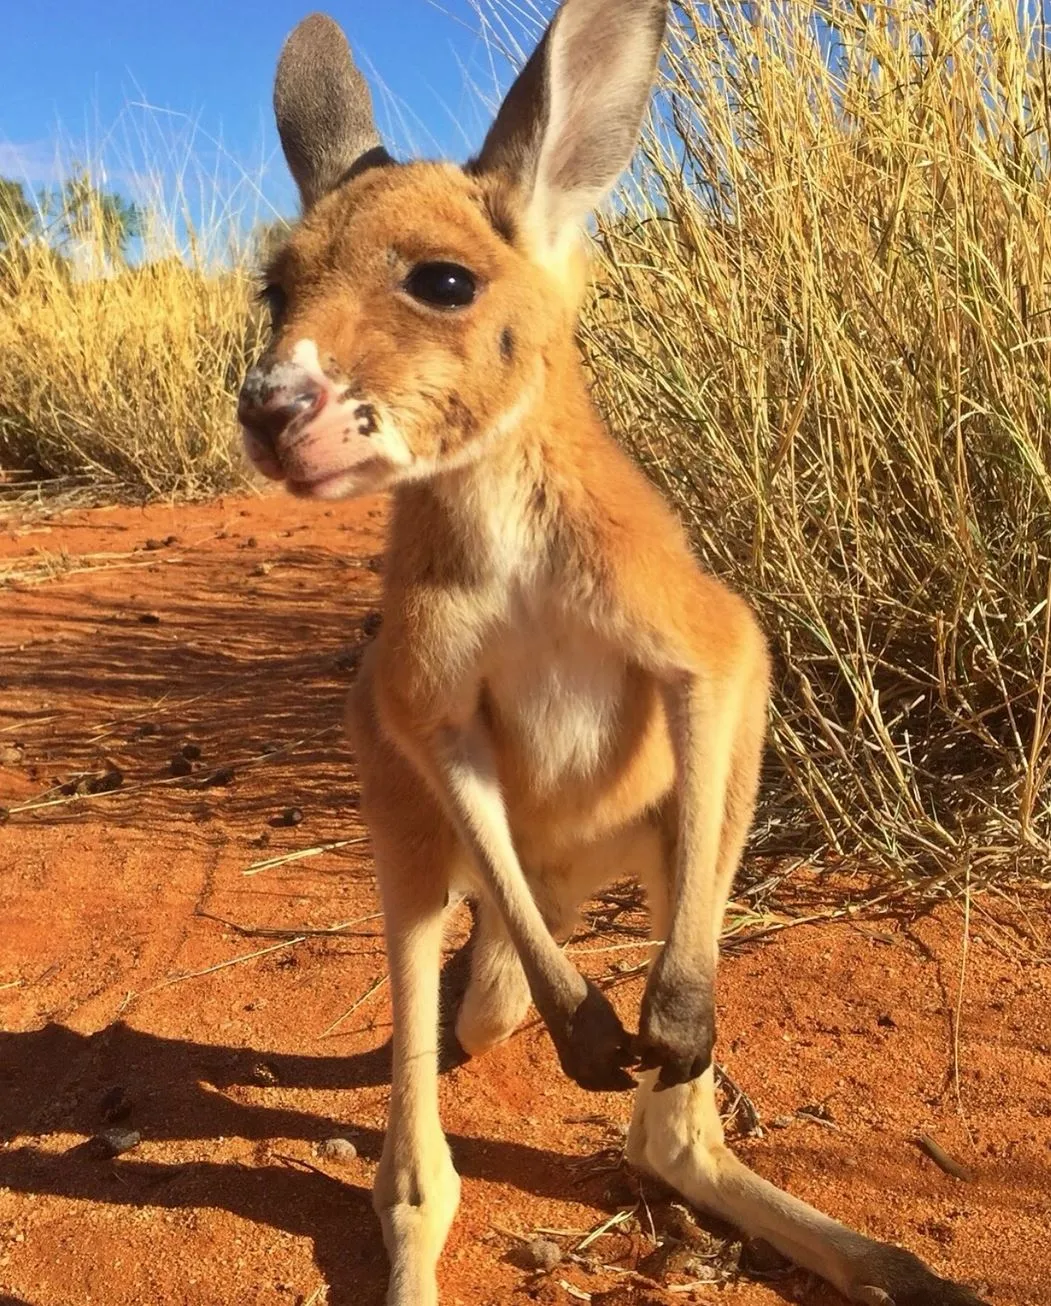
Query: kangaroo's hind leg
{"type": "Point", "coordinates": [418, 860]}
{"type": "Point", "coordinates": [496, 999]}
{"type": "Point", "coordinates": [676, 1134]}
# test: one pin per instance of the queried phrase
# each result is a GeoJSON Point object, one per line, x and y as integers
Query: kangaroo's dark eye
{"type": "Point", "coordinates": [276, 302]}
{"type": "Point", "coordinates": [442, 285]}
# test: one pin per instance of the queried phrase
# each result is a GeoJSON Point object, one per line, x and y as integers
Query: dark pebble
{"type": "Point", "coordinates": [149, 618]}
{"type": "Point", "coordinates": [540, 1254]}
{"type": "Point", "coordinates": [371, 624]}
{"type": "Point", "coordinates": [223, 776]}
{"type": "Point", "coordinates": [107, 782]}
{"type": "Point", "coordinates": [192, 752]}
{"type": "Point", "coordinates": [114, 1142]}
{"type": "Point", "coordinates": [758, 1257]}
{"type": "Point", "coordinates": [180, 765]}
{"type": "Point", "coordinates": [290, 816]}
{"type": "Point", "coordinates": [349, 659]}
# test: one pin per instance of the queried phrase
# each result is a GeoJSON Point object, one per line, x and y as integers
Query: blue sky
{"type": "Point", "coordinates": [183, 89]}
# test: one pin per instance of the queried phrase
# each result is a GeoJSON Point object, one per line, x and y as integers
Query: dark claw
{"type": "Point", "coordinates": [593, 1047]}
{"type": "Point", "coordinates": [677, 1030]}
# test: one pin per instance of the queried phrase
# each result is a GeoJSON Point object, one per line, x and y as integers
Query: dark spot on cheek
{"type": "Point", "coordinates": [365, 416]}
{"type": "Point", "coordinates": [458, 419]}
{"type": "Point", "coordinates": [507, 344]}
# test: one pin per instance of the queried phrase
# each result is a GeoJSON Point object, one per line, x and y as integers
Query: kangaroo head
{"type": "Point", "coordinates": [420, 310]}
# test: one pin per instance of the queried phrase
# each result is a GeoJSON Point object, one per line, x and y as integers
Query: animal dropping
{"type": "Point", "coordinates": [557, 694]}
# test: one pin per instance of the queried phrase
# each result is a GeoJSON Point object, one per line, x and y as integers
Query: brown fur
{"type": "Point", "coordinates": [558, 695]}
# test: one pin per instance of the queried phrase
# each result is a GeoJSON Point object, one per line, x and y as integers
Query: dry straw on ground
{"type": "Point", "coordinates": [822, 320]}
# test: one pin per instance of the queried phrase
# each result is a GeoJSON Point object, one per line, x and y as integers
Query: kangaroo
{"type": "Point", "coordinates": [558, 695]}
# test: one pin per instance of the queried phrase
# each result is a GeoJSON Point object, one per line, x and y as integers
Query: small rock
{"type": "Point", "coordinates": [151, 545]}
{"type": "Point", "coordinates": [105, 783]}
{"type": "Point", "coordinates": [269, 746]}
{"type": "Point", "coordinates": [115, 1105]}
{"type": "Point", "coordinates": [337, 1149]}
{"type": "Point", "coordinates": [758, 1257]}
{"type": "Point", "coordinates": [540, 1254]}
{"type": "Point", "coordinates": [11, 754]}
{"type": "Point", "coordinates": [349, 659]}
{"type": "Point", "coordinates": [180, 765]}
{"type": "Point", "coordinates": [150, 618]}
{"type": "Point", "coordinates": [223, 776]}
{"type": "Point", "coordinates": [251, 542]}
{"type": "Point", "coordinates": [264, 1074]}
{"type": "Point", "coordinates": [886, 1021]}
{"type": "Point", "coordinates": [679, 1223]}
{"type": "Point", "coordinates": [290, 816]}
{"type": "Point", "coordinates": [114, 1142]}
{"type": "Point", "coordinates": [700, 1271]}
{"type": "Point", "coordinates": [372, 623]}
{"type": "Point", "coordinates": [781, 1122]}
{"type": "Point", "coordinates": [262, 569]}
{"type": "Point", "coordinates": [192, 752]}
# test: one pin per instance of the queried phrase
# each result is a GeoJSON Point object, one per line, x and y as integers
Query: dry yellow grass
{"type": "Point", "coordinates": [822, 319]}
{"type": "Point", "coordinates": [126, 378]}
{"type": "Point", "coordinates": [826, 329]}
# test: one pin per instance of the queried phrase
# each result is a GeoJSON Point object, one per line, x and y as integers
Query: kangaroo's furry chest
{"type": "Point", "coordinates": [554, 694]}
{"type": "Point", "coordinates": [579, 731]}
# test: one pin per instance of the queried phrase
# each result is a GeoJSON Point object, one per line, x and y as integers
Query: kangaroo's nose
{"type": "Point", "coordinates": [272, 397]}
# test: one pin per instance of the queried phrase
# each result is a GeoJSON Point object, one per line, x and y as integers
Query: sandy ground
{"type": "Point", "coordinates": [157, 976]}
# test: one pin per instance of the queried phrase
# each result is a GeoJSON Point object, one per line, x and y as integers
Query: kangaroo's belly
{"type": "Point", "coordinates": [581, 740]}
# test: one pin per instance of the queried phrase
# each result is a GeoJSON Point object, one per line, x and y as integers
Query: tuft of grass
{"type": "Point", "coordinates": [823, 321]}
{"type": "Point", "coordinates": [124, 375]}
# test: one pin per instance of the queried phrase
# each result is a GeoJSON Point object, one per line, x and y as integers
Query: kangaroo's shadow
{"type": "Point", "coordinates": [55, 1080]}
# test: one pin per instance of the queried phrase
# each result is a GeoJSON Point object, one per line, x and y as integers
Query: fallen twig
{"type": "Point", "coordinates": [276, 932]}
{"type": "Point", "coordinates": [374, 987]}
{"type": "Point", "coordinates": [942, 1159]}
{"type": "Point", "coordinates": [269, 863]}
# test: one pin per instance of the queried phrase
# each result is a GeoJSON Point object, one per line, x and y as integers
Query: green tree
{"type": "Point", "coordinates": [17, 214]}
{"type": "Point", "coordinates": [80, 211]}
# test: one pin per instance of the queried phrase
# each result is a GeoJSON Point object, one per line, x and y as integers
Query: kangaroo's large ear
{"type": "Point", "coordinates": [569, 123]}
{"type": "Point", "coordinates": [323, 110]}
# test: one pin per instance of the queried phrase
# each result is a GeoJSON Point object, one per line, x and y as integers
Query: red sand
{"type": "Point", "coordinates": [239, 634]}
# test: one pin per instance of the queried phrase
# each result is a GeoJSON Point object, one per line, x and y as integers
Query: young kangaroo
{"type": "Point", "coordinates": [558, 696]}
